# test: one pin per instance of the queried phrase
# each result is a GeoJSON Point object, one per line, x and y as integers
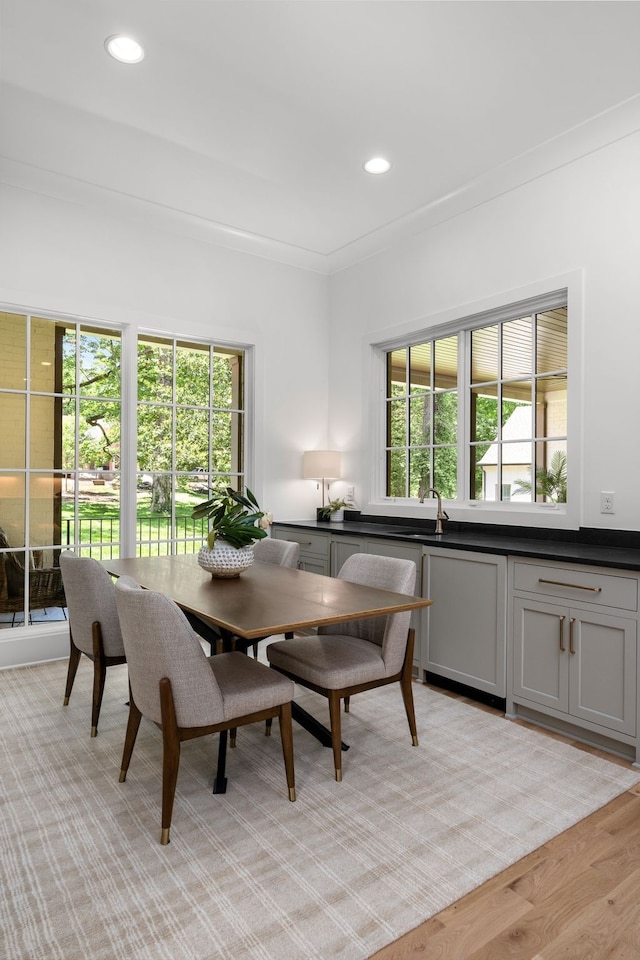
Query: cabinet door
{"type": "Point", "coordinates": [540, 653]}
{"type": "Point", "coordinates": [314, 565]}
{"type": "Point", "coordinates": [466, 625]}
{"type": "Point", "coordinates": [602, 670]}
{"type": "Point", "coordinates": [341, 549]}
{"type": "Point", "coordinates": [314, 548]}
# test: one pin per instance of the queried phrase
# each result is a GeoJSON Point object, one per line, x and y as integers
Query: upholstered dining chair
{"type": "Point", "coordinates": [348, 658]}
{"type": "Point", "coordinates": [187, 694]}
{"type": "Point", "coordinates": [283, 553]}
{"type": "Point", "coordinates": [94, 627]}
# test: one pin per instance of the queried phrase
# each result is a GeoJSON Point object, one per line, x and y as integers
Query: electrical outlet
{"type": "Point", "coordinates": [607, 501]}
{"type": "Point", "coordinates": [350, 493]}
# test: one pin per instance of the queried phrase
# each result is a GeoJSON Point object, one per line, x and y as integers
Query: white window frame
{"type": "Point", "coordinates": [458, 320]}
{"type": "Point", "coordinates": [174, 340]}
{"type": "Point", "coordinates": [38, 642]}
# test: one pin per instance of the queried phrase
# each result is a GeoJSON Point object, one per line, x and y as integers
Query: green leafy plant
{"type": "Point", "coordinates": [325, 512]}
{"type": "Point", "coordinates": [550, 483]}
{"type": "Point", "coordinates": [234, 517]}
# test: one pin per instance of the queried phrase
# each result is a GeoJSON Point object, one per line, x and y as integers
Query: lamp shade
{"type": "Point", "coordinates": [321, 465]}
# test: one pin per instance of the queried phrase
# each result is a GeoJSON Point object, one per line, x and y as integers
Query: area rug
{"type": "Point", "coordinates": [248, 875]}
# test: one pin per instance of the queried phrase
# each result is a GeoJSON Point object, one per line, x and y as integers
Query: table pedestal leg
{"type": "Point", "coordinates": [220, 782]}
{"type": "Point", "coordinates": [313, 726]}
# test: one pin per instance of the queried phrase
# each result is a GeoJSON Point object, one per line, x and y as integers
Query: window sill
{"type": "Point", "coordinates": [554, 515]}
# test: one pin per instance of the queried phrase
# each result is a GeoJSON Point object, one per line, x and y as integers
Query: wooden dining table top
{"type": "Point", "coordinates": [265, 599]}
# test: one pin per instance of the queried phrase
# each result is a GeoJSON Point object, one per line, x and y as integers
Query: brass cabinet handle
{"type": "Point", "coordinates": [571, 623]}
{"type": "Point", "coordinates": [562, 620]}
{"type": "Point", "coordinates": [574, 586]}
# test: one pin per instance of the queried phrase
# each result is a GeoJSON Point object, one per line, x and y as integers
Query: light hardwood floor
{"type": "Point", "coordinates": [576, 898]}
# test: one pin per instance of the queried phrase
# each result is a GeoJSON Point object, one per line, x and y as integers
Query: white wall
{"type": "Point", "coordinates": [584, 217]}
{"type": "Point", "coordinates": [66, 257]}
{"type": "Point", "coordinates": [72, 259]}
{"type": "Point", "coordinates": [57, 255]}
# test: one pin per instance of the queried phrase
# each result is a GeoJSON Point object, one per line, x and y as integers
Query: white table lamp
{"type": "Point", "coordinates": [321, 465]}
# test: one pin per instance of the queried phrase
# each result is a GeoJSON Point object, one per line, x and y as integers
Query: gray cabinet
{"type": "Point", "coordinates": [574, 647]}
{"type": "Point", "coordinates": [342, 548]}
{"type": "Point", "coordinates": [557, 641]}
{"type": "Point", "coordinates": [314, 547]}
{"type": "Point", "coordinates": [465, 629]}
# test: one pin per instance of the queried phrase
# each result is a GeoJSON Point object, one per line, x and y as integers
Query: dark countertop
{"type": "Point", "coordinates": [602, 548]}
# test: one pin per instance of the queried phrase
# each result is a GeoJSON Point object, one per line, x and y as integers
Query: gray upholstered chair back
{"type": "Point", "coordinates": [284, 553]}
{"type": "Point", "coordinates": [90, 596]}
{"type": "Point", "coordinates": [389, 632]}
{"type": "Point", "coordinates": [159, 642]}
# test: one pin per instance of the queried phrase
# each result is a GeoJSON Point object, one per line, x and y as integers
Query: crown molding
{"type": "Point", "coordinates": [592, 135]}
{"type": "Point", "coordinates": [39, 180]}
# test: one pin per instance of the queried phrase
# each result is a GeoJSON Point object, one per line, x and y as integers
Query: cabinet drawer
{"type": "Point", "coordinates": [315, 543]}
{"type": "Point", "coordinates": [574, 585]}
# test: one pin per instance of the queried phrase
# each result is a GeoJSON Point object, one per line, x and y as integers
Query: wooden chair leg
{"type": "Point", "coordinates": [407, 696]}
{"type": "Point", "coordinates": [286, 736]}
{"type": "Point", "coordinates": [347, 701]}
{"type": "Point", "coordinates": [336, 741]}
{"type": "Point", "coordinates": [133, 724]}
{"type": "Point", "coordinates": [74, 660]}
{"type": "Point", "coordinates": [233, 733]}
{"type": "Point", "coordinates": [407, 687]}
{"type": "Point", "coordinates": [170, 756]}
{"type": "Point", "coordinates": [267, 727]}
{"type": "Point", "coordinates": [99, 676]}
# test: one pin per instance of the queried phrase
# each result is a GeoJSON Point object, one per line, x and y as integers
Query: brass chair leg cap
{"type": "Point", "coordinates": [232, 741]}
{"type": "Point", "coordinates": [292, 794]}
{"type": "Point", "coordinates": [65, 702]}
{"type": "Point", "coordinates": [267, 731]}
{"type": "Point", "coordinates": [414, 742]}
{"type": "Point", "coordinates": [339, 776]}
{"type": "Point", "coordinates": [123, 776]}
{"type": "Point", "coordinates": [164, 836]}
{"type": "Point", "coordinates": [94, 731]}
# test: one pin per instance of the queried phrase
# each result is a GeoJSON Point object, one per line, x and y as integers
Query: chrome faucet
{"type": "Point", "coordinates": [440, 513]}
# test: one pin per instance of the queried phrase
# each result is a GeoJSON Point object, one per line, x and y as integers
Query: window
{"type": "Point", "coordinates": [60, 410]}
{"type": "Point", "coordinates": [190, 437]}
{"type": "Point", "coordinates": [422, 418]}
{"type": "Point", "coordinates": [518, 409]}
{"type": "Point", "coordinates": [62, 406]}
{"type": "Point", "coordinates": [480, 412]}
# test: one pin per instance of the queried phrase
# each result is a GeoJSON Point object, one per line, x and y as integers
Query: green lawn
{"type": "Point", "coordinates": [99, 523]}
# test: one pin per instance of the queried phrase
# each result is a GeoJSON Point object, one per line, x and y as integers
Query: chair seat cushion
{"type": "Point", "coordinates": [329, 661]}
{"type": "Point", "coordinates": [248, 686]}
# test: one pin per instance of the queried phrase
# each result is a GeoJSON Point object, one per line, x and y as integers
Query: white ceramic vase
{"type": "Point", "coordinates": [225, 560]}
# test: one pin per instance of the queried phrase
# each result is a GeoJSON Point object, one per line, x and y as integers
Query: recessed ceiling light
{"type": "Point", "coordinates": [124, 49]}
{"type": "Point", "coordinates": [377, 165]}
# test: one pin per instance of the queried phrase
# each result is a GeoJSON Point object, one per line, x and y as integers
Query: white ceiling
{"type": "Point", "coordinates": [249, 120]}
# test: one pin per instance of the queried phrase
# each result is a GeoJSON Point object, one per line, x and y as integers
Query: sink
{"type": "Point", "coordinates": [406, 533]}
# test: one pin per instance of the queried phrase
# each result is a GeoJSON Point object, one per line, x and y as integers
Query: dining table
{"type": "Point", "coordinates": [263, 601]}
